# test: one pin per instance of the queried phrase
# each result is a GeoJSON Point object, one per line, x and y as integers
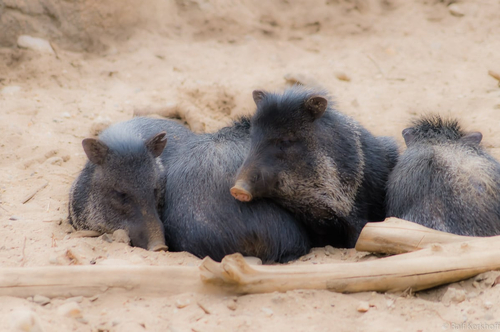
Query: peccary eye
{"type": "Point", "coordinates": [255, 178]}
{"type": "Point", "coordinates": [119, 195]}
{"type": "Point", "coordinates": [285, 143]}
{"type": "Point", "coordinates": [158, 192]}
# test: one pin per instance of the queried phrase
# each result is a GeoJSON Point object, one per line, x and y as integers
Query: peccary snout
{"type": "Point", "coordinates": [241, 191]}
{"type": "Point", "coordinates": [254, 180]}
{"type": "Point", "coordinates": [148, 232]}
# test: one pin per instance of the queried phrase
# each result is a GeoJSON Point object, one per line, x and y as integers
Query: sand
{"type": "Point", "coordinates": [385, 62]}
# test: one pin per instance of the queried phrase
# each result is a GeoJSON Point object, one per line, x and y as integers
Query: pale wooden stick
{"type": "Point", "coordinates": [32, 194]}
{"type": "Point", "coordinates": [426, 268]}
{"type": "Point", "coordinates": [494, 74]}
{"type": "Point", "coordinates": [84, 233]}
{"type": "Point", "coordinates": [68, 281]}
{"type": "Point", "coordinates": [397, 236]}
{"type": "Point", "coordinates": [418, 270]}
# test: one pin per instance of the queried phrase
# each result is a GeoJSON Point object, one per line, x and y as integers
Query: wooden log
{"type": "Point", "coordinates": [426, 268]}
{"type": "Point", "coordinates": [68, 281]}
{"type": "Point", "coordinates": [432, 265]}
{"type": "Point", "coordinates": [397, 236]}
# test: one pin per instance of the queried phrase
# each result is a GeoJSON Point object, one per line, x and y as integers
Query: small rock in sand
{"type": "Point", "coordinates": [107, 238]}
{"type": "Point", "coordinates": [121, 236]}
{"type": "Point", "coordinates": [42, 300]}
{"type": "Point", "coordinates": [54, 161]}
{"type": "Point", "coordinates": [10, 89]}
{"type": "Point", "coordinates": [363, 306]}
{"type": "Point", "coordinates": [77, 299]}
{"type": "Point", "coordinates": [251, 260]}
{"type": "Point", "coordinates": [488, 305]}
{"type": "Point", "coordinates": [25, 320]}
{"type": "Point", "coordinates": [268, 311]}
{"type": "Point", "coordinates": [232, 304]}
{"type": "Point", "coordinates": [36, 44]}
{"type": "Point", "coordinates": [342, 76]}
{"type": "Point", "coordinates": [308, 257]}
{"type": "Point", "coordinates": [456, 10]}
{"type": "Point", "coordinates": [453, 295]}
{"type": "Point", "coordinates": [182, 303]}
{"type": "Point", "coordinates": [70, 309]}
{"type": "Point", "coordinates": [329, 250]}
{"type": "Point", "coordinates": [302, 79]}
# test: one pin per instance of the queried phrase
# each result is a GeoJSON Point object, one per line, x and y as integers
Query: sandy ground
{"type": "Point", "coordinates": [402, 59]}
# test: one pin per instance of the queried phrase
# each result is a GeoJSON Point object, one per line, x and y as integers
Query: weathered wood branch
{"type": "Point", "coordinates": [426, 268]}
{"type": "Point", "coordinates": [431, 265]}
{"type": "Point", "coordinates": [89, 280]}
{"type": "Point", "coordinates": [397, 236]}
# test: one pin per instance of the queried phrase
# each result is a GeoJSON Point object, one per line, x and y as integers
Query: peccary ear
{"type": "Point", "coordinates": [409, 136]}
{"type": "Point", "coordinates": [258, 95]}
{"type": "Point", "coordinates": [157, 143]}
{"type": "Point", "coordinates": [316, 106]}
{"type": "Point", "coordinates": [95, 150]}
{"type": "Point", "coordinates": [472, 138]}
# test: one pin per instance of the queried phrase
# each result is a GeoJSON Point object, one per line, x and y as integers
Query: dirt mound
{"type": "Point", "coordinates": [75, 25]}
{"type": "Point", "coordinates": [90, 25]}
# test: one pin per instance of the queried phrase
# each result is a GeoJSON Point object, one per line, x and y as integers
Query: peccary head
{"type": "Point", "coordinates": [286, 160]}
{"type": "Point", "coordinates": [435, 130]}
{"type": "Point", "coordinates": [126, 187]}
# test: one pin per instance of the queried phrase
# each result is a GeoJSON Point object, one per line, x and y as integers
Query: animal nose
{"type": "Point", "coordinates": [241, 191]}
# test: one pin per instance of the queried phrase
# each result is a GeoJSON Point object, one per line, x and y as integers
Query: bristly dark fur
{"type": "Point", "coordinates": [318, 163]}
{"type": "Point", "coordinates": [435, 128]}
{"type": "Point", "coordinates": [204, 219]}
{"type": "Point", "coordinates": [238, 129]}
{"type": "Point", "coordinates": [286, 104]}
{"type": "Point", "coordinates": [198, 213]}
{"type": "Point", "coordinates": [242, 122]}
{"type": "Point", "coordinates": [446, 181]}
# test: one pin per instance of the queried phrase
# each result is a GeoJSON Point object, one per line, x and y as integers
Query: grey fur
{"type": "Point", "coordinates": [445, 180]}
{"type": "Point", "coordinates": [317, 162]}
{"type": "Point", "coordinates": [192, 178]}
{"type": "Point", "coordinates": [123, 188]}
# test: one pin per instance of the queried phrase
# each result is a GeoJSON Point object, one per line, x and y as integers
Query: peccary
{"type": "Point", "coordinates": [318, 163]}
{"type": "Point", "coordinates": [195, 173]}
{"type": "Point", "coordinates": [445, 180]}
{"type": "Point", "coordinates": [201, 216]}
{"type": "Point", "coordinates": [122, 185]}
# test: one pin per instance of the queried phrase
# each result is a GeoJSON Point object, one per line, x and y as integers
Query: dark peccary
{"type": "Point", "coordinates": [316, 162]}
{"type": "Point", "coordinates": [445, 180]}
{"type": "Point", "coordinates": [198, 213]}
{"type": "Point", "coordinates": [122, 184]}
{"type": "Point", "coordinates": [201, 216]}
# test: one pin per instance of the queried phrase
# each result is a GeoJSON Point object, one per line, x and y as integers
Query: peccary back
{"type": "Point", "coordinates": [188, 186]}
{"type": "Point", "coordinates": [318, 163]}
{"type": "Point", "coordinates": [201, 216]}
{"type": "Point", "coordinates": [445, 180]}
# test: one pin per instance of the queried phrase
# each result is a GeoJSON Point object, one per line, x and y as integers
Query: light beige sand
{"type": "Point", "coordinates": [204, 58]}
